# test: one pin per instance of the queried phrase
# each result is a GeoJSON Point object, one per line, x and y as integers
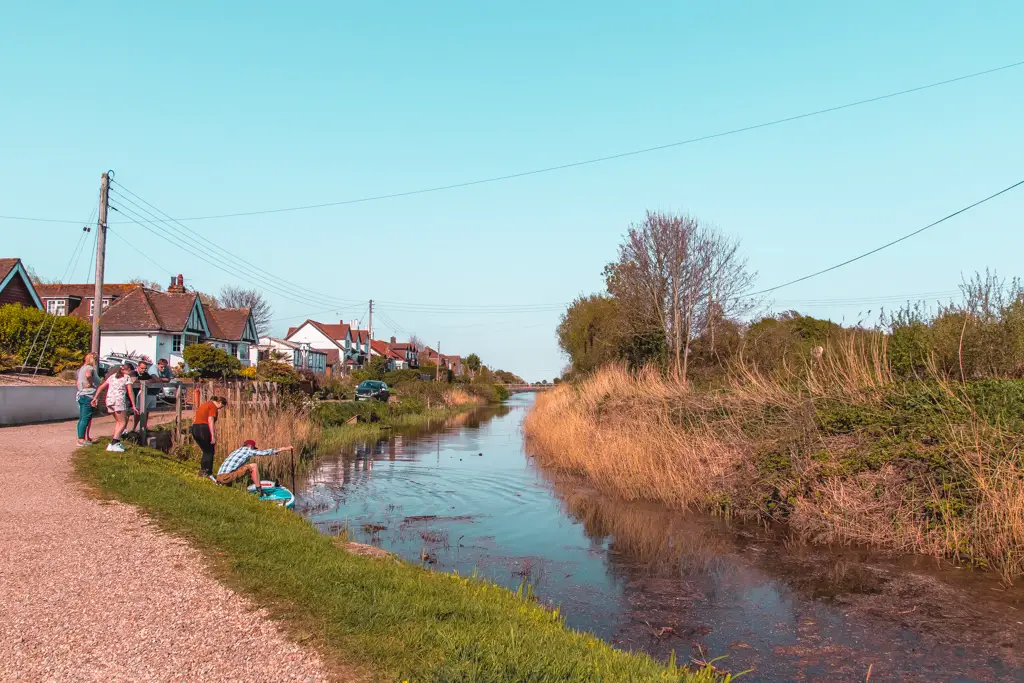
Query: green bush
{"type": "Point", "coordinates": [272, 371]}
{"type": "Point", "coordinates": [66, 339]}
{"type": "Point", "coordinates": [209, 361]}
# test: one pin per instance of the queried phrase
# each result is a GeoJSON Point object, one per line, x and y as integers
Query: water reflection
{"type": "Point", "coordinates": [466, 498]}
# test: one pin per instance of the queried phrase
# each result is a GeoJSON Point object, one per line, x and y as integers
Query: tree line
{"type": "Point", "coordinates": [676, 297]}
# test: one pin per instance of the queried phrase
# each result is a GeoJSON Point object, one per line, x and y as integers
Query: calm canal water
{"type": "Point", "coordinates": [467, 497]}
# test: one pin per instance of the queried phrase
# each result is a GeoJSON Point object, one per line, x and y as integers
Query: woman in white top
{"type": "Point", "coordinates": [119, 396]}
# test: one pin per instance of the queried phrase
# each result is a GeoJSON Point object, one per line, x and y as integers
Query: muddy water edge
{"type": "Point", "coordinates": [464, 496]}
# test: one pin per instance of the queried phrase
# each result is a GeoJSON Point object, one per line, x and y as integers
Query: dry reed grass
{"type": "Point", "coordinates": [763, 446]}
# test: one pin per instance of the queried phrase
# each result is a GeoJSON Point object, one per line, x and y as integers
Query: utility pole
{"type": "Point", "coordinates": [101, 252]}
{"type": "Point", "coordinates": [437, 370]}
{"type": "Point", "coordinates": [369, 340]}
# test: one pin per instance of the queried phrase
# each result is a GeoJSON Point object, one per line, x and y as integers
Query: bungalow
{"type": "Point", "coordinates": [410, 352]}
{"type": "Point", "coordinates": [161, 324]}
{"type": "Point", "coordinates": [16, 286]}
{"type": "Point", "coordinates": [453, 363]}
{"type": "Point", "coordinates": [300, 356]}
{"type": "Point", "coordinates": [396, 359]}
{"type": "Point", "coordinates": [350, 344]}
{"type": "Point", "coordinates": [77, 300]}
{"type": "Point", "coordinates": [334, 340]}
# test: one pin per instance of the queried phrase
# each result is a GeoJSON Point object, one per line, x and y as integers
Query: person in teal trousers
{"type": "Point", "coordinates": [86, 380]}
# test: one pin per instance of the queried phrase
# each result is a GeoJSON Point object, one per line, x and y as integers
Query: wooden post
{"type": "Point", "coordinates": [101, 252]}
{"type": "Point", "coordinates": [177, 412]}
{"type": "Point", "coordinates": [143, 410]}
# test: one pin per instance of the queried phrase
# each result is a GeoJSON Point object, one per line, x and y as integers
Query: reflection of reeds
{"type": "Point", "coordinates": [647, 535]}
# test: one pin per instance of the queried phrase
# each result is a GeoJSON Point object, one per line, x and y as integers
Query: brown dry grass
{"type": "Point", "coordinates": [766, 446]}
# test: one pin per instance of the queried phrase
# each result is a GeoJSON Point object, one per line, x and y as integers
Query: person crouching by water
{"type": "Point", "coordinates": [238, 463]}
{"type": "Point", "coordinates": [118, 385]}
{"type": "Point", "coordinates": [204, 431]}
{"type": "Point", "coordinates": [86, 379]}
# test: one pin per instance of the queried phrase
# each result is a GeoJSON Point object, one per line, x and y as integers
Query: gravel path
{"type": "Point", "coordinates": [90, 591]}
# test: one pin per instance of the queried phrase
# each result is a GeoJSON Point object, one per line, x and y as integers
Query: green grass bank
{"type": "Point", "coordinates": [391, 620]}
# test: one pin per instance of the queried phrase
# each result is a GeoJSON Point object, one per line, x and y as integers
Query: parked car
{"type": "Point", "coordinates": [372, 389]}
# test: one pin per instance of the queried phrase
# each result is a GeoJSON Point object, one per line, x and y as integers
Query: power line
{"type": "Point", "coordinates": [200, 243]}
{"type": "Point", "coordinates": [190, 248]}
{"type": "Point", "coordinates": [140, 252]}
{"type": "Point", "coordinates": [197, 247]}
{"type": "Point", "coordinates": [887, 245]}
{"type": "Point", "coordinates": [585, 162]}
{"type": "Point", "coordinates": [227, 253]}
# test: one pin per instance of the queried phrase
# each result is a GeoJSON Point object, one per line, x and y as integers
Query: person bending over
{"type": "Point", "coordinates": [239, 462]}
{"type": "Point", "coordinates": [204, 431]}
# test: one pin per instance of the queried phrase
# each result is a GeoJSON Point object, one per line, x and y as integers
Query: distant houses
{"type": "Point", "coordinates": [142, 321]}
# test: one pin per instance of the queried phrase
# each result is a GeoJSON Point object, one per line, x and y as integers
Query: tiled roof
{"type": "Point", "coordinates": [82, 290]}
{"type": "Point", "coordinates": [226, 323]}
{"type": "Point", "coordinates": [6, 266]}
{"type": "Point", "coordinates": [147, 310]}
{"type": "Point", "coordinates": [361, 335]}
{"type": "Point", "coordinates": [333, 355]}
{"type": "Point", "coordinates": [384, 349]}
{"type": "Point", "coordinates": [335, 333]}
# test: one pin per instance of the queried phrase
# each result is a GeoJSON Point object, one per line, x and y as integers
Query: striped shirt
{"type": "Point", "coordinates": [240, 457]}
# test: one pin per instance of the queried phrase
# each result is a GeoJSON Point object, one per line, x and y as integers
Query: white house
{"type": "Point", "coordinates": [350, 344]}
{"type": "Point", "coordinates": [300, 355]}
{"type": "Point", "coordinates": [161, 324]}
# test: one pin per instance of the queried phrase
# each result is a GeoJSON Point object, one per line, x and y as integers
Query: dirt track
{"type": "Point", "coordinates": [91, 591]}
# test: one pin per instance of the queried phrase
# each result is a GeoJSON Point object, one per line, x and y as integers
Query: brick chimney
{"type": "Point", "coordinates": [393, 341]}
{"type": "Point", "coordinates": [177, 285]}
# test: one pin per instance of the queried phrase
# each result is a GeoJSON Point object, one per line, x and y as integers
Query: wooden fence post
{"type": "Point", "coordinates": [177, 412]}
{"type": "Point", "coordinates": [143, 409]}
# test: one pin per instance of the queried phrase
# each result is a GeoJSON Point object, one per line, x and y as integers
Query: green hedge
{"type": "Point", "coordinates": [66, 339]}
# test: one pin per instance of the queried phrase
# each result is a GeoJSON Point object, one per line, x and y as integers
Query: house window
{"type": "Point", "coordinates": [234, 350]}
{"type": "Point", "coordinates": [297, 358]}
{"type": "Point", "coordinates": [175, 342]}
{"type": "Point", "coordinates": [191, 339]}
{"type": "Point", "coordinates": [56, 306]}
{"type": "Point", "coordinates": [92, 306]}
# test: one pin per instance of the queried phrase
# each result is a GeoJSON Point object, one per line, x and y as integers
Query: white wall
{"type": "Point", "coordinates": [19, 405]}
{"type": "Point", "coordinates": [113, 342]}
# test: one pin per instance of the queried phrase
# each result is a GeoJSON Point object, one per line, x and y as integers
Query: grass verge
{"type": "Point", "coordinates": [393, 620]}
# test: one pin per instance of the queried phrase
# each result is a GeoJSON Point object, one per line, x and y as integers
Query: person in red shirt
{"type": "Point", "coordinates": [204, 431]}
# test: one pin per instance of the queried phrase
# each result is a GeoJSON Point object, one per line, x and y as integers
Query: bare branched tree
{"type": "Point", "coordinates": [238, 297]}
{"type": "Point", "coordinates": [415, 341]}
{"type": "Point", "coordinates": [683, 275]}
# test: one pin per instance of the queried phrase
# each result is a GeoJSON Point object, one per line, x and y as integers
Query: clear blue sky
{"type": "Point", "coordinates": [209, 108]}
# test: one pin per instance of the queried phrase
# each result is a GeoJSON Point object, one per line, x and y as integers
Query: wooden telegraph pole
{"type": "Point", "coordinates": [437, 370]}
{"type": "Point", "coordinates": [369, 340]}
{"type": "Point", "coordinates": [101, 252]}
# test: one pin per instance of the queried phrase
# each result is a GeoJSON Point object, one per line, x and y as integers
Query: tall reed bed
{"type": "Point", "coordinates": [837, 450]}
